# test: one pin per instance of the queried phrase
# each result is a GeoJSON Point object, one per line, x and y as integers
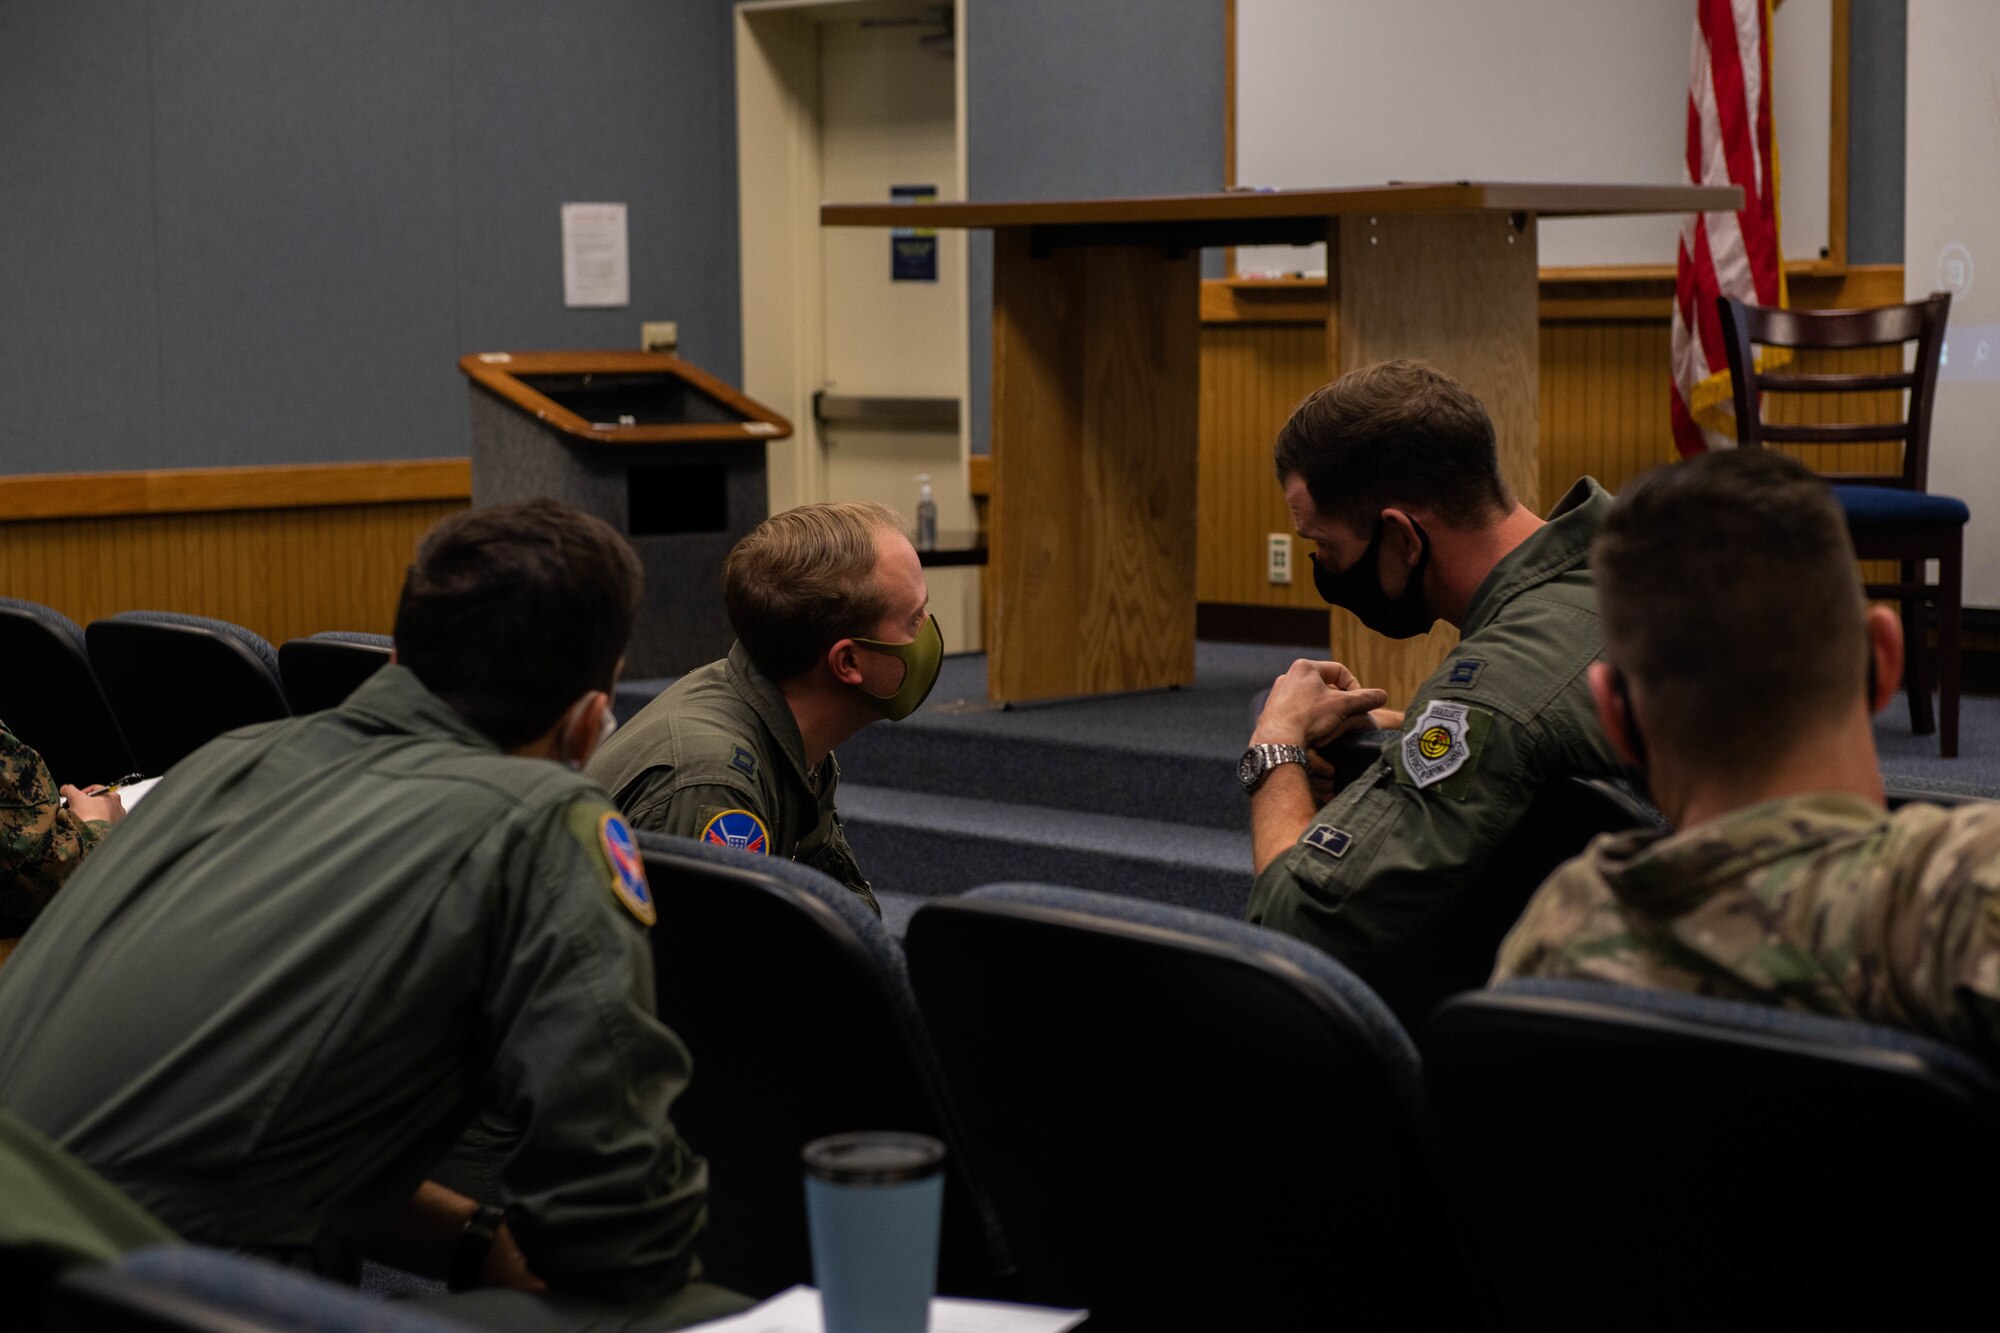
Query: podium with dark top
{"type": "Point", "coordinates": [1095, 364]}
{"type": "Point", "coordinates": [664, 452]}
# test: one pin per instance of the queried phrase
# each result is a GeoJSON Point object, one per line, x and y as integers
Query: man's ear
{"type": "Point", "coordinates": [1408, 546]}
{"type": "Point", "coordinates": [1885, 652]}
{"type": "Point", "coordinates": [844, 661]}
{"type": "Point", "coordinates": [1611, 716]}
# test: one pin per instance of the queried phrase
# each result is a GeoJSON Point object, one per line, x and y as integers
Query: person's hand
{"type": "Point", "coordinates": [1314, 702]}
{"type": "Point", "coordinates": [1320, 774]}
{"type": "Point", "coordinates": [97, 803]}
{"type": "Point", "coordinates": [507, 1267]}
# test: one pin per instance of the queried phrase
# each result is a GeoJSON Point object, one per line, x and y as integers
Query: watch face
{"type": "Point", "coordinates": [1249, 767]}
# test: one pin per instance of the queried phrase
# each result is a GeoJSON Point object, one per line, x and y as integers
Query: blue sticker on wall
{"type": "Point", "coordinates": [913, 251]}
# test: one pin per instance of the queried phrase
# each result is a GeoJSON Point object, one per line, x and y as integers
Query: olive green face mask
{"type": "Point", "coordinates": [921, 657]}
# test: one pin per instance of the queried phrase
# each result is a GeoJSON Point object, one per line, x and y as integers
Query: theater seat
{"type": "Point", "coordinates": [50, 698]}
{"type": "Point", "coordinates": [1645, 1160]}
{"type": "Point", "coordinates": [320, 672]}
{"type": "Point", "coordinates": [794, 1002]}
{"type": "Point", "coordinates": [190, 1289]}
{"type": "Point", "coordinates": [177, 682]}
{"type": "Point", "coordinates": [1187, 1121]}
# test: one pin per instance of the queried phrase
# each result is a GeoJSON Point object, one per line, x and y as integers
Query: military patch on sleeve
{"type": "Point", "coordinates": [1440, 741]}
{"type": "Point", "coordinates": [744, 762]}
{"type": "Point", "coordinates": [1465, 672]}
{"type": "Point", "coordinates": [739, 829]}
{"type": "Point", "coordinates": [1326, 838]}
{"type": "Point", "coordinates": [628, 872]}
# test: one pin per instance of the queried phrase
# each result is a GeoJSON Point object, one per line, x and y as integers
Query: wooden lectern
{"type": "Point", "coordinates": [1095, 336]}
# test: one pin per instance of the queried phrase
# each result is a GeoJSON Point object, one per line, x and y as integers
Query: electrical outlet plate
{"type": "Point", "coordinates": [659, 335]}
{"type": "Point", "coordinates": [1278, 557]}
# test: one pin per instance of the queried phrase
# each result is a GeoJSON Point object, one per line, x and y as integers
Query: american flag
{"type": "Point", "coordinates": [1730, 141]}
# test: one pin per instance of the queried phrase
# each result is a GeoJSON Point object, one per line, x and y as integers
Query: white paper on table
{"type": "Point", "coordinates": [797, 1311]}
{"type": "Point", "coordinates": [597, 264]}
{"type": "Point", "coordinates": [131, 793]}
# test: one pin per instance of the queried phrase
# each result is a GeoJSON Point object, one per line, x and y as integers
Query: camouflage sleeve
{"type": "Point", "coordinates": [1573, 908]}
{"type": "Point", "coordinates": [1394, 849]}
{"type": "Point", "coordinates": [41, 842]}
{"type": "Point", "coordinates": [1940, 944]}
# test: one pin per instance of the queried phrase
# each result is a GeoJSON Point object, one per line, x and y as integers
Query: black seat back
{"type": "Point", "coordinates": [50, 698]}
{"type": "Point", "coordinates": [793, 1000]}
{"type": "Point", "coordinates": [1638, 1159]}
{"type": "Point", "coordinates": [177, 682]}
{"type": "Point", "coordinates": [320, 672]}
{"type": "Point", "coordinates": [1187, 1121]}
{"type": "Point", "coordinates": [1456, 951]}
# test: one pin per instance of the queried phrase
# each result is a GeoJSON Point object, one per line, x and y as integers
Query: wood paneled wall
{"type": "Point", "coordinates": [284, 551]}
{"type": "Point", "coordinates": [1604, 368]}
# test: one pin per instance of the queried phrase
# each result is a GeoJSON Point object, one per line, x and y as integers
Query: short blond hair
{"type": "Point", "coordinates": [803, 580]}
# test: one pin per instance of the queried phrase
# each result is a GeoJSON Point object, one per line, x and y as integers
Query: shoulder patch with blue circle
{"type": "Point", "coordinates": [739, 829]}
{"type": "Point", "coordinates": [628, 872]}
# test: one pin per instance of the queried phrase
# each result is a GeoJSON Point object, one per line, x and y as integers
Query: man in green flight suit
{"type": "Point", "coordinates": [1391, 472]}
{"type": "Point", "coordinates": [834, 631]}
{"type": "Point", "coordinates": [1742, 664]}
{"type": "Point", "coordinates": [273, 1002]}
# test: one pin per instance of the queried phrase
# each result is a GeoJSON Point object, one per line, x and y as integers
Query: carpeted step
{"type": "Point", "coordinates": [911, 842]}
{"type": "Point", "coordinates": [1082, 773]}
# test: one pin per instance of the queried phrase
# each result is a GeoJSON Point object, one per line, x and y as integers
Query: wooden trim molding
{"type": "Point", "coordinates": [500, 372]}
{"type": "Point", "coordinates": [979, 475]}
{"type": "Point", "coordinates": [1568, 296]}
{"type": "Point", "coordinates": [222, 489]}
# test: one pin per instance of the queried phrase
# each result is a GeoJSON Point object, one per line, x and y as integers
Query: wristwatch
{"type": "Point", "coordinates": [468, 1260]}
{"type": "Point", "coordinates": [1259, 760]}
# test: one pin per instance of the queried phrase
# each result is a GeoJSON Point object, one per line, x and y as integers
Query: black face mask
{"type": "Point", "coordinates": [1358, 588]}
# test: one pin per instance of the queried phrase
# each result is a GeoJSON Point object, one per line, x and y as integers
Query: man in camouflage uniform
{"type": "Point", "coordinates": [1742, 666]}
{"type": "Point", "coordinates": [41, 838]}
{"type": "Point", "coordinates": [834, 632]}
{"type": "Point", "coordinates": [1391, 472]}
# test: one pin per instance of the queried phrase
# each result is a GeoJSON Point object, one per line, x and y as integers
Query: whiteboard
{"type": "Point", "coordinates": [1356, 92]}
{"type": "Point", "coordinates": [1951, 242]}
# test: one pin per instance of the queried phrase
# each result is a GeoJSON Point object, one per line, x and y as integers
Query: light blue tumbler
{"type": "Point", "coordinates": [873, 1201]}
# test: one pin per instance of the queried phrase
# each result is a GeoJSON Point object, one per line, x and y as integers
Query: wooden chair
{"type": "Point", "coordinates": [1891, 515]}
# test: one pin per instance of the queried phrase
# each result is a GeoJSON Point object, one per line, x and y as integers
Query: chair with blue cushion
{"type": "Point", "coordinates": [320, 672]}
{"type": "Point", "coordinates": [50, 698]}
{"type": "Point", "coordinates": [1187, 1121]}
{"type": "Point", "coordinates": [176, 682]}
{"type": "Point", "coordinates": [795, 1004]}
{"type": "Point", "coordinates": [190, 1289]}
{"type": "Point", "coordinates": [1652, 1160]}
{"type": "Point", "coordinates": [1891, 515]}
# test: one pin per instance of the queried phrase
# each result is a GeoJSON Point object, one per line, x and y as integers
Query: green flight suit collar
{"type": "Point", "coordinates": [757, 690]}
{"type": "Point", "coordinates": [1667, 875]}
{"type": "Point", "coordinates": [394, 696]}
{"type": "Point", "coordinates": [1559, 545]}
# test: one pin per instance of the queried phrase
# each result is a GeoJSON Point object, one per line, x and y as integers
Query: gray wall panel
{"type": "Point", "coordinates": [79, 334]}
{"type": "Point", "coordinates": [305, 231]}
{"type": "Point", "coordinates": [1876, 81]}
{"type": "Point", "coordinates": [620, 100]}
{"type": "Point", "coordinates": [1066, 100]}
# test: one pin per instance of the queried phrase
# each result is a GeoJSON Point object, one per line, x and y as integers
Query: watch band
{"type": "Point", "coordinates": [1259, 761]}
{"type": "Point", "coordinates": [468, 1259]}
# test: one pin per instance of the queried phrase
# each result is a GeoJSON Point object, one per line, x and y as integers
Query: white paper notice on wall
{"type": "Point", "coordinates": [597, 266]}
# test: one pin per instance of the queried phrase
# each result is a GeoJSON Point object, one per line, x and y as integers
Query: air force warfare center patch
{"type": "Point", "coordinates": [1440, 741]}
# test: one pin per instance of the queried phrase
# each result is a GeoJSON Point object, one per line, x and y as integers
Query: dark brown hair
{"type": "Point", "coordinates": [513, 612]}
{"type": "Point", "coordinates": [1730, 597]}
{"type": "Point", "coordinates": [1396, 434]}
{"type": "Point", "coordinates": [805, 579]}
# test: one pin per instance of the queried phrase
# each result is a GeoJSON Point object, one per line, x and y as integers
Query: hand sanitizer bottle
{"type": "Point", "coordinates": [926, 514]}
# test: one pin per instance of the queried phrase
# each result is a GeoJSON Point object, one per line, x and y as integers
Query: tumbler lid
{"type": "Point", "coordinates": [874, 1157]}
